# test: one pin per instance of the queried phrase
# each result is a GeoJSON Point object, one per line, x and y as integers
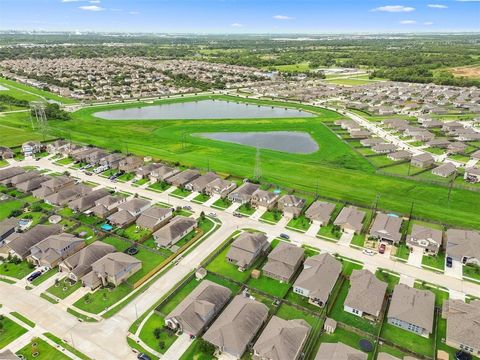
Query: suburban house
{"type": "Point", "coordinates": [366, 295]}
{"type": "Point", "coordinates": [19, 244]}
{"type": "Point", "coordinates": [400, 155]}
{"type": "Point", "coordinates": [262, 199]}
{"type": "Point", "coordinates": [88, 201]}
{"type": "Point", "coordinates": [350, 219]}
{"type": "Point", "coordinates": [384, 148]}
{"type": "Point", "coordinates": [456, 147]}
{"type": "Point", "coordinates": [198, 308]}
{"type": "Point", "coordinates": [121, 218]}
{"type": "Point", "coordinates": [10, 172]}
{"type": "Point", "coordinates": [463, 325]}
{"type": "Point", "coordinates": [439, 143]}
{"type": "Point", "coordinates": [445, 170]}
{"type": "Point", "coordinates": [339, 351]}
{"type": "Point", "coordinates": [17, 179]}
{"type": "Point", "coordinates": [237, 325]}
{"type": "Point", "coordinates": [281, 339]}
{"type": "Point", "coordinates": [201, 182]}
{"type": "Point", "coordinates": [55, 248]}
{"type": "Point", "coordinates": [422, 160]}
{"type": "Point", "coordinates": [291, 205]}
{"type": "Point", "coordinates": [7, 228]}
{"type": "Point", "coordinates": [6, 153]}
{"type": "Point", "coordinates": [183, 178]}
{"type": "Point", "coordinates": [130, 163]}
{"type": "Point", "coordinates": [472, 174]}
{"type": "Point", "coordinates": [57, 146]}
{"type": "Point", "coordinates": [463, 245]}
{"type": "Point", "coordinates": [428, 239]}
{"type": "Point", "coordinates": [53, 185]}
{"type": "Point", "coordinates": [154, 218]}
{"type": "Point", "coordinates": [107, 205]}
{"type": "Point", "coordinates": [176, 229]}
{"type": "Point", "coordinates": [144, 171]}
{"type": "Point", "coordinates": [66, 195]}
{"type": "Point", "coordinates": [246, 249]}
{"type": "Point", "coordinates": [283, 261]}
{"type": "Point", "coordinates": [33, 184]}
{"type": "Point", "coordinates": [220, 187]}
{"type": "Point", "coordinates": [80, 263]}
{"type": "Point", "coordinates": [113, 268]}
{"type": "Point", "coordinates": [475, 155]}
{"type": "Point", "coordinates": [163, 173]}
{"type": "Point", "coordinates": [94, 157]}
{"type": "Point", "coordinates": [112, 160]}
{"type": "Point", "coordinates": [30, 148]}
{"type": "Point", "coordinates": [317, 279]}
{"type": "Point", "coordinates": [320, 212]}
{"type": "Point", "coordinates": [244, 193]}
{"type": "Point", "coordinates": [386, 228]}
{"type": "Point", "coordinates": [372, 142]}
{"type": "Point", "coordinates": [412, 310]}
{"type": "Point", "coordinates": [128, 212]}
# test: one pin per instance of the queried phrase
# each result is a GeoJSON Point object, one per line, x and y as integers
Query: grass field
{"type": "Point", "coordinates": [336, 170]}
{"type": "Point", "coordinates": [10, 331]}
{"type": "Point", "coordinates": [40, 350]}
{"type": "Point", "coordinates": [29, 93]}
{"type": "Point", "coordinates": [16, 129]}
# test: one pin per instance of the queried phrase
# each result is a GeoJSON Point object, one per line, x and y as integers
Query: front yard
{"type": "Point", "coordinates": [300, 223]}
{"type": "Point", "coordinates": [180, 193]}
{"type": "Point", "coordinates": [222, 203]}
{"type": "Point", "coordinates": [272, 216]}
{"type": "Point", "coordinates": [10, 331]}
{"type": "Point", "coordinates": [102, 298]}
{"type": "Point", "coordinates": [156, 335]}
{"type": "Point", "coordinates": [437, 262]}
{"type": "Point", "coordinates": [63, 288]}
{"type": "Point", "coordinates": [17, 271]}
{"type": "Point", "coordinates": [330, 231]}
{"type": "Point", "coordinates": [41, 350]}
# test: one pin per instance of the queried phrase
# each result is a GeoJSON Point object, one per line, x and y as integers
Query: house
{"type": "Point", "coordinates": [317, 279]}
{"type": "Point", "coordinates": [32, 184]}
{"type": "Point", "coordinates": [52, 186]}
{"type": "Point", "coordinates": [439, 143]}
{"type": "Point", "coordinates": [384, 148]}
{"type": "Point", "coordinates": [366, 295]}
{"type": "Point", "coordinates": [66, 195]}
{"type": "Point", "coordinates": [18, 179]}
{"type": "Point", "coordinates": [456, 147]}
{"type": "Point", "coordinates": [244, 193]}
{"type": "Point", "coordinates": [198, 308]}
{"type": "Point", "coordinates": [264, 200]}
{"type": "Point", "coordinates": [428, 239]}
{"type": "Point", "coordinates": [372, 142]}
{"type": "Point", "coordinates": [220, 187]}
{"type": "Point", "coordinates": [463, 245]}
{"type": "Point", "coordinates": [80, 263]}
{"type": "Point", "coordinates": [87, 201]}
{"type": "Point", "coordinates": [30, 148]}
{"type": "Point", "coordinates": [339, 351]}
{"type": "Point", "coordinates": [200, 183]}
{"type": "Point", "coordinates": [19, 245]}
{"type": "Point", "coordinates": [445, 170]}
{"type": "Point", "coordinates": [412, 310]}
{"type": "Point", "coordinates": [400, 155]}
{"type": "Point", "coordinates": [281, 339]}
{"type": "Point", "coordinates": [135, 206]}
{"type": "Point", "coordinates": [107, 205]}
{"type": "Point", "coordinates": [291, 205]}
{"type": "Point", "coordinates": [183, 178]}
{"type": "Point", "coordinates": [55, 248]}
{"type": "Point", "coordinates": [10, 172]}
{"type": "Point", "coordinates": [475, 155]}
{"type": "Point", "coordinates": [94, 156]}
{"type": "Point", "coordinates": [350, 219]}
{"type": "Point", "coordinates": [452, 126]}
{"type": "Point", "coordinates": [113, 268]}
{"type": "Point", "coordinates": [111, 161]}
{"type": "Point", "coordinates": [397, 124]}
{"type": "Point", "coordinates": [176, 229]}
{"type": "Point", "coordinates": [6, 153]}
{"type": "Point", "coordinates": [320, 212]}
{"type": "Point", "coordinates": [283, 262]}
{"type": "Point", "coordinates": [472, 175]}
{"type": "Point", "coordinates": [154, 218]}
{"type": "Point", "coordinates": [7, 228]}
{"type": "Point", "coordinates": [463, 325]}
{"type": "Point", "coordinates": [246, 249]}
{"type": "Point", "coordinates": [121, 218]}
{"type": "Point", "coordinates": [422, 161]}
{"type": "Point", "coordinates": [130, 163]}
{"type": "Point", "coordinates": [144, 172]}
{"type": "Point", "coordinates": [163, 173]}
{"type": "Point", "coordinates": [57, 146]}
{"type": "Point", "coordinates": [237, 325]}
{"type": "Point", "coordinates": [386, 228]}
{"type": "Point", "coordinates": [359, 134]}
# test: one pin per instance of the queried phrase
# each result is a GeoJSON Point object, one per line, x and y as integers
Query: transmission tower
{"type": "Point", "coordinates": [257, 171]}
{"type": "Point", "coordinates": [38, 109]}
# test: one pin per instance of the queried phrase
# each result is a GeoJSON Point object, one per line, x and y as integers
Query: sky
{"type": "Point", "coordinates": [241, 16]}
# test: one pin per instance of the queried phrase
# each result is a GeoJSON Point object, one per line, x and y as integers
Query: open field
{"type": "Point", "coordinates": [467, 71]}
{"type": "Point", "coordinates": [30, 93]}
{"type": "Point", "coordinates": [16, 128]}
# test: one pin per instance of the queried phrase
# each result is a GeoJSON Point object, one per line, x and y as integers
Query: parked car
{"type": "Point", "coordinates": [187, 207]}
{"type": "Point", "coordinates": [34, 275]}
{"type": "Point", "coordinates": [368, 252]}
{"type": "Point", "coordinates": [88, 173]}
{"type": "Point", "coordinates": [449, 262]}
{"type": "Point", "coordinates": [284, 236]}
{"type": "Point", "coordinates": [237, 214]}
{"type": "Point", "coordinates": [382, 249]}
{"type": "Point", "coordinates": [212, 214]}
{"type": "Point", "coordinates": [143, 356]}
{"type": "Point", "coordinates": [461, 355]}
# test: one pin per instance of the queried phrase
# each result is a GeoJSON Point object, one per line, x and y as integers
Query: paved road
{"type": "Point", "coordinates": [107, 339]}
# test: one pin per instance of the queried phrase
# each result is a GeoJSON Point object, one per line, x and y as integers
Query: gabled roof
{"type": "Point", "coordinates": [244, 248]}
{"type": "Point", "coordinates": [282, 339]}
{"type": "Point", "coordinates": [463, 322]}
{"type": "Point", "coordinates": [134, 205]}
{"type": "Point", "coordinates": [152, 216]}
{"type": "Point", "coordinates": [366, 292]}
{"type": "Point", "coordinates": [81, 262]}
{"type": "Point", "coordinates": [463, 243]}
{"type": "Point", "coordinates": [22, 243]}
{"type": "Point", "coordinates": [387, 226]}
{"type": "Point", "coordinates": [350, 216]}
{"type": "Point", "coordinates": [339, 351]}
{"type": "Point", "coordinates": [121, 217]}
{"type": "Point", "coordinates": [283, 259]}
{"type": "Point", "coordinates": [10, 172]}
{"type": "Point", "coordinates": [7, 225]}
{"type": "Point", "coordinates": [173, 229]}
{"type": "Point", "coordinates": [111, 264]}
{"type": "Point", "coordinates": [320, 211]}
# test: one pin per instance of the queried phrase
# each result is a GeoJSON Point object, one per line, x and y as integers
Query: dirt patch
{"type": "Point", "coordinates": [467, 71]}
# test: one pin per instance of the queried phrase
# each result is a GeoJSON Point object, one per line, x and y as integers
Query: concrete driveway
{"type": "Point", "coordinates": [456, 271]}
{"type": "Point", "coordinates": [415, 257]}
{"type": "Point", "coordinates": [346, 239]}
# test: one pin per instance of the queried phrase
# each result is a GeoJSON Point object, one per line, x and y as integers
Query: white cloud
{"type": "Point", "coordinates": [134, 12]}
{"type": "Point", "coordinates": [428, 23]}
{"type": "Point", "coordinates": [67, 1]}
{"type": "Point", "coordinates": [236, 25]}
{"type": "Point", "coordinates": [468, 0]}
{"type": "Point", "coordinates": [408, 22]}
{"type": "Point", "coordinates": [394, 8]}
{"type": "Point", "coordinates": [94, 1]}
{"type": "Point", "coordinates": [282, 17]}
{"type": "Point", "coordinates": [437, 6]}
{"type": "Point", "coordinates": [91, 8]}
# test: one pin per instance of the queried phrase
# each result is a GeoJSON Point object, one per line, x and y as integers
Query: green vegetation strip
{"type": "Point", "coordinates": [66, 346]}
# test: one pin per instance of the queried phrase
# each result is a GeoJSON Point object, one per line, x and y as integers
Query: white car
{"type": "Point", "coordinates": [369, 252]}
{"type": "Point", "coordinates": [212, 214]}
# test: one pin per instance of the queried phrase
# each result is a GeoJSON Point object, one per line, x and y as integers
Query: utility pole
{"type": "Point", "coordinates": [257, 171]}
{"type": "Point", "coordinates": [451, 185]}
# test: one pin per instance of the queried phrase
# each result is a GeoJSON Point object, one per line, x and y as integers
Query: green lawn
{"type": "Point", "coordinates": [201, 198]}
{"type": "Point", "coordinates": [330, 231]}
{"type": "Point", "coordinates": [300, 223]}
{"type": "Point", "coordinates": [64, 161]}
{"type": "Point", "coordinates": [180, 193]}
{"type": "Point", "coordinates": [302, 301]}
{"type": "Point", "coordinates": [166, 307]}
{"type": "Point", "coordinates": [64, 288]}
{"type": "Point", "coordinates": [222, 203]}
{"type": "Point", "coordinates": [403, 252]}
{"type": "Point", "coordinates": [246, 209]}
{"type": "Point", "coordinates": [149, 261]}
{"type": "Point", "coordinates": [269, 286]}
{"type": "Point", "coordinates": [41, 351]}
{"type": "Point", "coordinates": [441, 294]}
{"type": "Point", "coordinates": [272, 216]}
{"type": "Point", "coordinates": [140, 182]}
{"type": "Point", "coordinates": [390, 279]}
{"type": "Point", "coordinates": [408, 340]}
{"type": "Point", "coordinates": [159, 186]}
{"type": "Point", "coordinates": [8, 206]}
{"type": "Point", "coordinates": [126, 177]}
{"type": "Point", "coordinates": [160, 341]}
{"type": "Point", "coordinates": [23, 318]}
{"type": "Point", "coordinates": [44, 276]}
{"type": "Point", "coordinates": [30, 93]}
{"type": "Point", "coordinates": [221, 266]}
{"type": "Point", "coordinates": [472, 271]}
{"type": "Point", "coordinates": [102, 298]}
{"type": "Point", "coordinates": [358, 239]}
{"type": "Point", "coordinates": [90, 235]}
{"type": "Point", "coordinates": [18, 271]}
{"type": "Point", "coordinates": [119, 244]}
{"type": "Point", "coordinates": [437, 262]}
{"type": "Point", "coordinates": [10, 331]}
{"type": "Point", "coordinates": [195, 351]}
{"type": "Point", "coordinates": [66, 346]}
{"type": "Point", "coordinates": [34, 216]}
{"type": "Point", "coordinates": [348, 338]}
{"type": "Point", "coordinates": [289, 312]}
{"type": "Point", "coordinates": [133, 232]}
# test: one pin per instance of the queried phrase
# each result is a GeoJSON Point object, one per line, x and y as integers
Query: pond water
{"type": "Point", "coordinates": [295, 142]}
{"type": "Point", "coordinates": [205, 109]}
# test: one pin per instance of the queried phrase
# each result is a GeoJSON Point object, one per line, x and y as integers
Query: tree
{"type": "Point", "coordinates": [157, 332]}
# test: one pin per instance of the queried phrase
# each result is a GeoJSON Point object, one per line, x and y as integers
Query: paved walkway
{"type": "Point", "coordinates": [177, 349]}
{"type": "Point", "coordinates": [313, 230]}
{"type": "Point", "coordinates": [212, 200]}
{"type": "Point", "coordinates": [345, 239]}
{"type": "Point", "coordinates": [415, 257]}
